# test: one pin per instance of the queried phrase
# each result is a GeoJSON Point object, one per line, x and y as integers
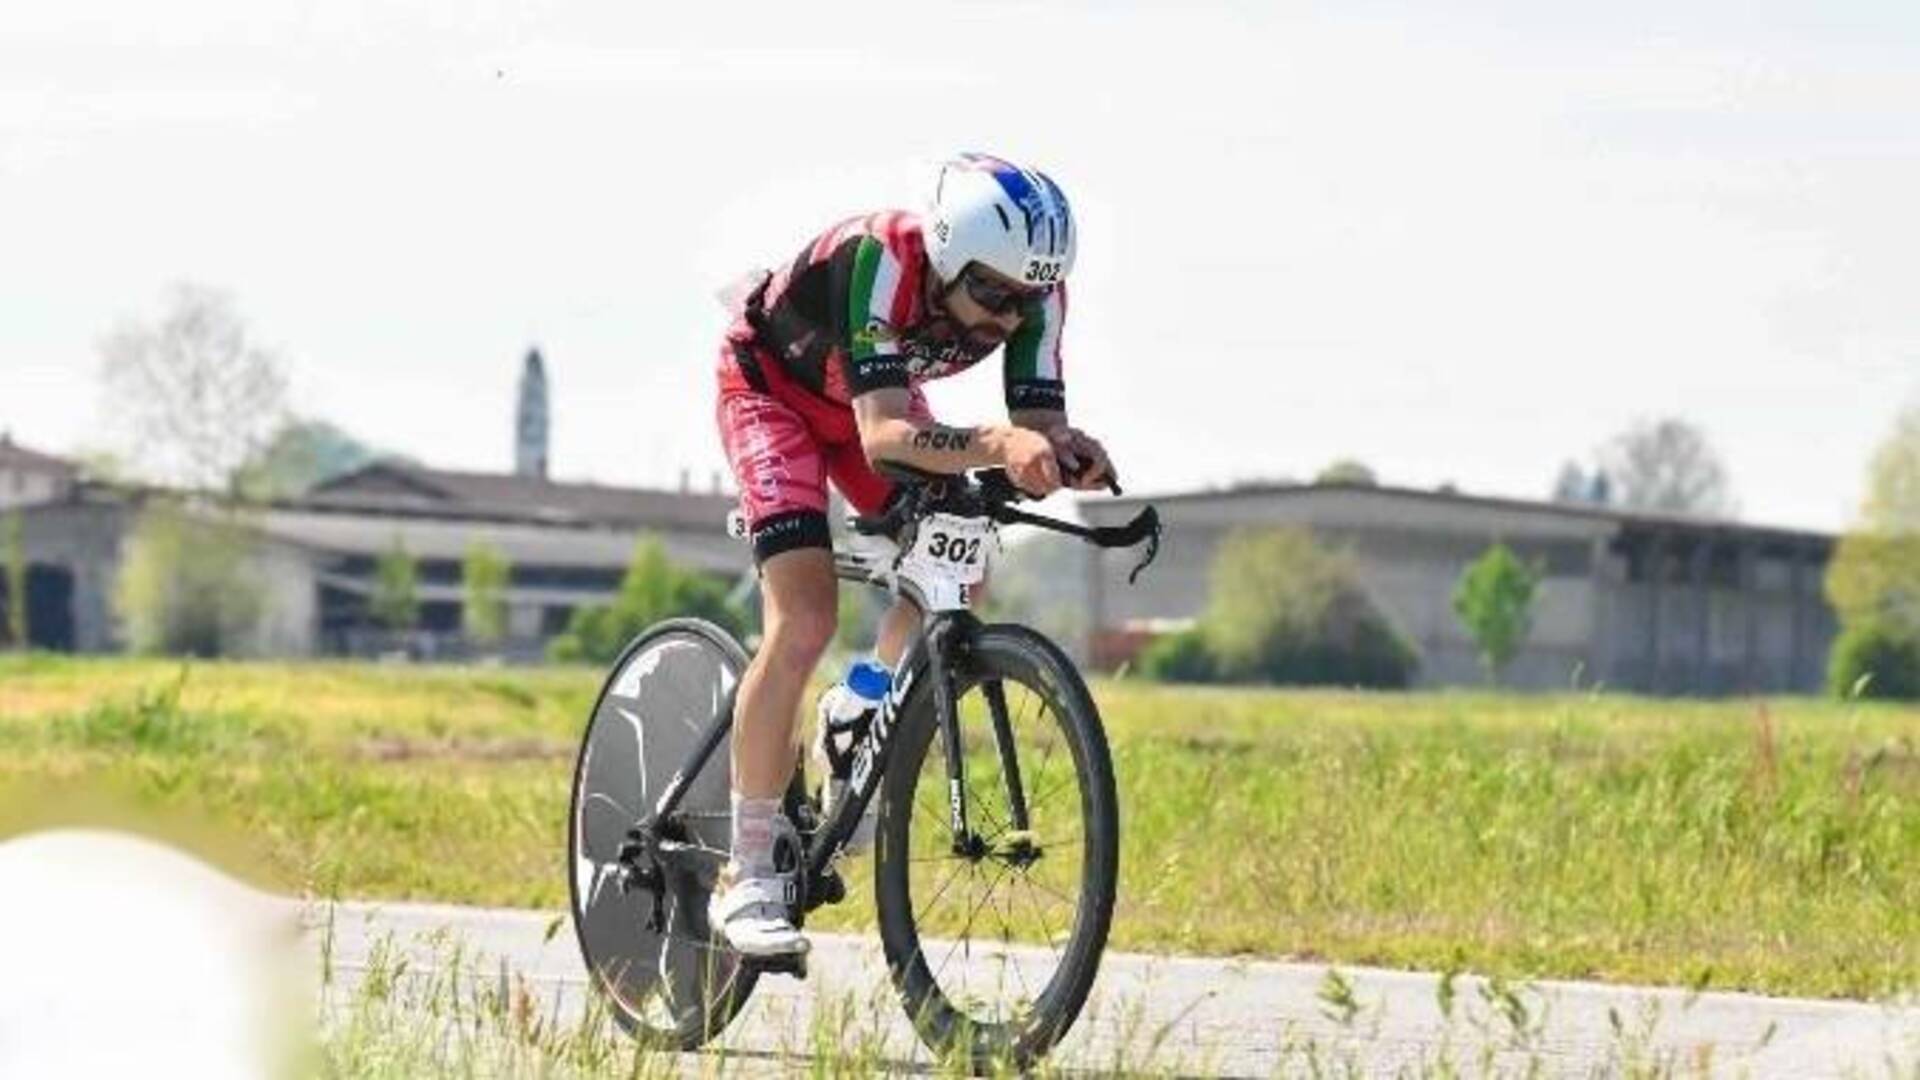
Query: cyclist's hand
{"type": "Point", "coordinates": [1031, 462]}
{"type": "Point", "coordinates": [1082, 459]}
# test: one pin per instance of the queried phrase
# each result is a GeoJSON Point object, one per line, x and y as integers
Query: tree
{"type": "Point", "coordinates": [1494, 601]}
{"type": "Point", "coordinates": [1892, 504]}
{"type": "Point", "coordinates": [396, 589]}
{"type": "Point", "coordinates": [301, 455]}
{"type": "Point", "coordinates": [13, 546]}
{"type": "Point", "coordinates": [1571, 485]}
{"type": "Point", "coordinates": [484, 575]}
{"type": "Point", "coordinates": [1874, 575]}
{"type": "Point", "coordinates": [1283, 609]}
{"type": "Point", "coordinates": [653, 589]}
{"type": "Point", "coordinates": [193, 394]}
{"type": "Point", "coordinates": [1347, 471]}
{"type": "Point", "coordinates": [1600, 489]}
{"type": "Point", "coordinates": [1667, 465]}
{"type": "Point", "coordinates": [1873, 579]}
{"type": "Point", "coordinates": [187, 585]}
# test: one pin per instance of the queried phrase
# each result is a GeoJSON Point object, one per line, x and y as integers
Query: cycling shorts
{"type": "Point", "coordinates": [784, 443]}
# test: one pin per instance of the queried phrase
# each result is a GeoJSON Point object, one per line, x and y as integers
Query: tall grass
{"type": "Point", "coordinates": [432, 1009]}
{"type": "Point", "coordinates": [1740, 845]}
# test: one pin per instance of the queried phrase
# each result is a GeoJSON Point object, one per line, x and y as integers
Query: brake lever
{"type": "Point", "coordinates": [1144, 526]}
{"type": "Point", "coordinates": [1153, 543]}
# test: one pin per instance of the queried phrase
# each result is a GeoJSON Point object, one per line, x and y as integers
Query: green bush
{"type": "Point", "coordinates": [653, 589]}
{"type": "Point", "coordinates": [1283, 609]}
{"type": "Point", "coordinates": [1875, 659]}
{"type": "Point", "coordinates": [485, 575]}
{"type": "Point", "coordinates": [188, 585]}
{"type": "Point", "coordinates": [14, 631]}
{"type": "Point", "coordinates": [1179, 657]}
{"type": "Point", "coordinates": [395, 603]}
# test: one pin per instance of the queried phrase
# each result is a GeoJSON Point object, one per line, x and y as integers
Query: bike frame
{"type": "Point", "coordinates": [931, 658]}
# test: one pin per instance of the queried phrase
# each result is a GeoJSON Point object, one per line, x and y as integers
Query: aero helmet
{"type": "Point", "coordinates": [1013, 220]}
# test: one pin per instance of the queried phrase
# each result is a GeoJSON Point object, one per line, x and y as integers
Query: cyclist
{"type": "Point", "coordinates": [819, 378]}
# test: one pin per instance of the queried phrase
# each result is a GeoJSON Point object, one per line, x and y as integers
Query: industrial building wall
{"type": "Point", "coordinates": [82, 540]}
{"type": "Point", "coordinates": [1773, 634]}
{"type": "Point", "coordinates": [1765, 624]}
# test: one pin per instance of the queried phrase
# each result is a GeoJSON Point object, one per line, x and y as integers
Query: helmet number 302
{"type": "Point", "coordinates": [1042, 271]}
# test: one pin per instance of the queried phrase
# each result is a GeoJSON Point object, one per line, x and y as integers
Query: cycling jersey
{"type": "Point", "coordinates": [850, 315]}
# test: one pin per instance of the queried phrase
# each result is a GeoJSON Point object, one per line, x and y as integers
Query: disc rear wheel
{"type": "Point", "coordinates": [652, 954]}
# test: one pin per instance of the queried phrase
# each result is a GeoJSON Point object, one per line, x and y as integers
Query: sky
{"type": "Point", "coordinates": [1463, 242]}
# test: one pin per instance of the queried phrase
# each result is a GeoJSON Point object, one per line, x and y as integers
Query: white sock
{"type": "Point", "coordinates": [753, 836]}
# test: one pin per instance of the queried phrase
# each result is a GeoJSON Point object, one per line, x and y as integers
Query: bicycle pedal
{"type": "Point", "coordinates": [827, 888]}
{"type": "Point", "coordinates": [794, 964]}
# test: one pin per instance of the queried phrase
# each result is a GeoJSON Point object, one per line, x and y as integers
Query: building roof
{"type": "Point", "coordinates": [391, 487]}
{"type": "Point", "coordinates": [20, 459]}
{"type": "Point", "coordinates": [1572, 514]}
{"type": "Point", "coordinates": [523, 543]}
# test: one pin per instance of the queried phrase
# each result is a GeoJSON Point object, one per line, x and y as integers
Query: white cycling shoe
{"type": "Point", "coordinates": [752, 915]}
{"type": "Point", "coordinates": [755, 914]}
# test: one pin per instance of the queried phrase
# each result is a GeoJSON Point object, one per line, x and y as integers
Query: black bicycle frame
{"type": "Point", "coordinates": [929, 657]}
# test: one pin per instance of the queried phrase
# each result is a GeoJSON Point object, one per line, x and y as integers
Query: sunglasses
{"type": "Point", "coordinates": [997, 296]}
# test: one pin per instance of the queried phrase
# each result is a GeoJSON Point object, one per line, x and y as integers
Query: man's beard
{"type": "Point", "coordinates": [985, 337]}
{"type": "Point", "coordinates": [975, 340]}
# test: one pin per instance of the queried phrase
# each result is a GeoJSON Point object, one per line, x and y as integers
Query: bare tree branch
{"type": "Point", "coordinates": [192, 396]}
{"type": "Point", "coordinates": [1668, 465]}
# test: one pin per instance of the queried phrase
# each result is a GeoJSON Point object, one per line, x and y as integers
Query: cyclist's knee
{"type": "Point", "coordinates": [799, 600]}
{"type": "Point", "coordinates": [797, 637]}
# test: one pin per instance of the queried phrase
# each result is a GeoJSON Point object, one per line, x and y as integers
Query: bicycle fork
{"type": "Point", "coordinates": [966, 842]}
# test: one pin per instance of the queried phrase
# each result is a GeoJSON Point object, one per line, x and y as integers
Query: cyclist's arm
{"type": "Point", "coordinates": [888, 432]}
{"type": "Point", "coordinates": [1037, 394]}
{"type": "Point", "coordinates": [1035, 388]}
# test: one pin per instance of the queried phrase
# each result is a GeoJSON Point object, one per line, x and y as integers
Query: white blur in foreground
{"type": "Point", "coordinates": [122, 956]}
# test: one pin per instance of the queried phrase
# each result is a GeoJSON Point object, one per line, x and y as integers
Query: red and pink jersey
{"type": "Point", "coordinates": [851, 315]}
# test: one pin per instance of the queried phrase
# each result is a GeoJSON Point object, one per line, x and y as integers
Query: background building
{"type": "Point", "coordinates": [568, 546]}
{"type": "Point", "coordinates": [27, 476]}
{"type": "Point", "coordinates": [1645, 602]}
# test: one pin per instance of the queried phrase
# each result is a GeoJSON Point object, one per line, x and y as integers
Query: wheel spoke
{"type": "Point", "coordinates": [1046, 888]}
{"type": "Point", "coordinates": [941, 891]}
{"type": "Point", "coordinates": [1056, 789]}
{"type": "Point", "coordinates": [932, 815]}
{"type": "Point", "coordinates": [1046, 928]}
{"type": "Point", "coordinates": [1046, 759]}
{"type": "Point", "coordinates": [974, 799]}
{"type": "Point", "coordinates": [966, 933]}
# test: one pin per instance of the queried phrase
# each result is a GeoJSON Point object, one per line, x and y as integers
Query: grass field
{"type": "Point", "coordinates": [1771, 847]}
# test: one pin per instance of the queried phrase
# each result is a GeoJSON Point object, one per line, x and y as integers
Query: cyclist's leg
{"type": "Point", "coordinates": [781, 477]}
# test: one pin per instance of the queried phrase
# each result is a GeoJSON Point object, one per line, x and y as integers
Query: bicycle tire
{"type": "Point", "coordinates": [675, 989]}
{"type": "Point", "coordinates": [1006, 653]}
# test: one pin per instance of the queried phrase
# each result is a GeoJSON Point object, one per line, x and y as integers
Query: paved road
{"type": "Point", "coordinates": [1238, 1018]}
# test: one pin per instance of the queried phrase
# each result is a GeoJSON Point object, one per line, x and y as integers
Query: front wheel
{"type": "Point", "coordinates": [993, 940]}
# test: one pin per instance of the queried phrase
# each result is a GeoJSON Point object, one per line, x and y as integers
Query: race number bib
{"type": "Point", "coordinates": [950, 549]}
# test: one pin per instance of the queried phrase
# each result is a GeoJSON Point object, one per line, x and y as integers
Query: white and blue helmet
{"type": "Point", "coordinates": [1013, 220]}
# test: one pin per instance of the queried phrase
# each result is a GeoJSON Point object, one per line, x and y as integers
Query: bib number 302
{"type": "Point", "coordinates": [950, 550]}
{"type": "Point", "coordinates": [959, 550]}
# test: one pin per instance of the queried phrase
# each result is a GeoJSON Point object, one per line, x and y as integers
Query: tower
{"type": "Point", "coordinates": [530, 425]}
